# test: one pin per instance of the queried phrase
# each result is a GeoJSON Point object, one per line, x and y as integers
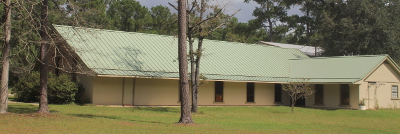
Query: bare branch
{"type": "Point", "coordinates": [224, 23]}
{"type": "Point", "coordinates": [173, 6]}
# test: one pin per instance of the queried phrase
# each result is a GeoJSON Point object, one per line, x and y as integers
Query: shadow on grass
{"type": "Point", "coordinates": [157, 109]}
{"type": "Point", "coordinates": [91, 116]}
{"type": "Point", "coordinates": [24, 109]}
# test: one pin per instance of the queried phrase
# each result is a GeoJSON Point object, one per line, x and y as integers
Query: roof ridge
{"type": "Point", "coordinates": [108, 30]}
{"type": "Point", "coordinates": [117, 31]}
{"type": "Point", "coordinates": [337, 57]}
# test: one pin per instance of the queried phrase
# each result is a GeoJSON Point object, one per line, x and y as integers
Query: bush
{"type": "Point", "coordinates": [60, 89]}
{"type": "Point", "coordinates": [27, 88]}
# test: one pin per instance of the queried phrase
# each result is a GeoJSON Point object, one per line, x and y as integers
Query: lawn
{"type": "Point", "coordinates": [274, 119]}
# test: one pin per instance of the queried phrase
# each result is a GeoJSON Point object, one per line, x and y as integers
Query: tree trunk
{"type": "Point", "coordinates": [43, 108]}
{"type": "Point", "coordinates": [186, 117]}
{"type": "Point", "coordinates": [271, 32]}
{"type": "Point", "coordinates": [293, 103]}
{"type": "Point", "coordinates": [292, 108]}
{"type": "Point", "coordinates": [197, 73]}
{"type": "Point", "coordinates": [6, 58]}
{"type": "Point", "coordinates": [192, 73]}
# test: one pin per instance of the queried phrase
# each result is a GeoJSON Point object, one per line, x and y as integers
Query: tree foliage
{"type": "Point", "coordinates": [360, 27]}
{"type": "Point", "coordinates": [61, 89]}
{"type": "Point", "coordinates": [128, 15]}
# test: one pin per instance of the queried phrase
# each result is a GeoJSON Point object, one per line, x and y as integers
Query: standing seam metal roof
{"type": "Point", "coordinates": [108, 52]}
{"type": "Point", "coordinates": [349, 69]}
{"type": "Point", "coordinates": [117, 53]}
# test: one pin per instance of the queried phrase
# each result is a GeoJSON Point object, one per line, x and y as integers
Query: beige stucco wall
{"type": "Point", "coordinates": [378, 92]}
{"type": "Point", "coordinates": [107, 91]}
{"type": "Point", "coordinates": [128, 91]}
{"type": "Point", "coordinates": [158, 92]}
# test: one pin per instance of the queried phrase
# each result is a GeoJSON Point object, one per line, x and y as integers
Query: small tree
{"type": "Point", "coordinates": [296, 90]}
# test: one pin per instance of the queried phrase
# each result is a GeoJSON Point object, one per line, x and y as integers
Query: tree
{"type": "Point", "coordinates": [6, 57]}
{"type": "Point", "coordinates": [186, 117]}
{"type": "Point", "coordinates": [45, 39]}
{"type": "Point", "coordinates": [128, 15]}
{"type": "Point", "coordinates": [201, 25]}
{"type": "Point", "coordinates": [162, 20]}
{"type": "Point", "coordinates": [361, 27]}
{"type": "Point", "coordinates": [269, 12]}
{"type": "Point", "coordinates": [91, 13]}
{"type": "Point", "coordinates": [297, 90]}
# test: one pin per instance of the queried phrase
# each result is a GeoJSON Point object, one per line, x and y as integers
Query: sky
{"type": "Point", "coordinates": [245, 13]}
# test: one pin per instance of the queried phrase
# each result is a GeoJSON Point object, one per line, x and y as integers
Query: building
{"type": "Point", "coordinates": [128, 68]}
{"type": "Point", "coordinates": [308, 50]}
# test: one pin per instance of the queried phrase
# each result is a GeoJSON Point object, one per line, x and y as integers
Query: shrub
{"type": "Point", "coordinates": [27, 87]}
{"type": "Point", "coordinates": [60, 89]}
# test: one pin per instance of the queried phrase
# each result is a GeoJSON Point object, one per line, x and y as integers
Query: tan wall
{"type": "Point", "coordinates": [156, 92]}
{"type": "Point", "coordinates": [107, 91]}
{"type": "Point", "coordinates": [148, 92]}
{"type": "Point", "coordinates": [128, 91]}
{"type": "Point", "coordinates": [264, 94]}
{"type": "Point", "coordinates": [354, 96]}
{"type": "Point", "coordinates": [384, 73]}
{"type": "Point", "coordinates": [378, 95]}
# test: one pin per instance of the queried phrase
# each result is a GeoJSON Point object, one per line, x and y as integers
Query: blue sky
{"type": "Point", "coordinates": [244, 15]}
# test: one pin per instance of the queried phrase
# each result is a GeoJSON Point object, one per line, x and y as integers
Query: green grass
{"type": "Point", "coordinates": [98, 119]}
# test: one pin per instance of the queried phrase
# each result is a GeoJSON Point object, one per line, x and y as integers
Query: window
{"type": "Point", "coordinates": [278, 93]}
{"type": "Point", "coordinates": [250, 92]}
{"type": "Point", "coordinates": [319, 94]}
{"type": "Point", "coordinates": [395, 92]}
{"type": "Point", "coordinates": [219, 91]}
{"type": "Point", "coordinates": [344, 94]}
{"type": "Point", "coordinates": [179, 95]}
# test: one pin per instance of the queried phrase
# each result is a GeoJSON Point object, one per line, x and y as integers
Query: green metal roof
{"type": "Point", "coordinates": [130, 54]}
{"type": "Point", "coordinates": [340, 69]}
{"type": "Point", "coordinates": [118, 53]}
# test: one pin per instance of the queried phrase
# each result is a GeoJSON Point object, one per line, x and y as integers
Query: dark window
{"type": "Point", "coordinates": [395, 92]}
{"type": "Point", "coordinates": [219, 91]}
{"type": "Point", "coordinates": [319, 94]}
{"type": "Point", "coordinates": [344, 94]}
{"type": "Point", "coordinates": [250, 92]}
{"type": "Point", "coordinates": [278, 93]}
{"type": "Point", "coordinates": [179, 94]}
